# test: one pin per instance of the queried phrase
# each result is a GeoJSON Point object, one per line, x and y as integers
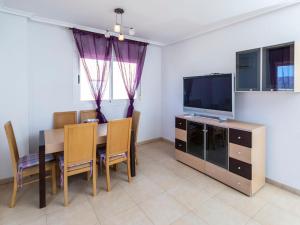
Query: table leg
{"type": "Point", "coordinates": [42, 176]}
{"type": "Point", "coordinates": [132, 155]}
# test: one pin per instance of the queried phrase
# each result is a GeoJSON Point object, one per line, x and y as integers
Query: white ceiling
{"type": "Point", "coordinates": [164, 21]}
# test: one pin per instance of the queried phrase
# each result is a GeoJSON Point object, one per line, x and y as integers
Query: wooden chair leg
{"type": "Point", "coordinates": [107, 176]}
{"type": "Point", "coordinates": [53, 175]}
{"type": "Point", "coordinates": [66, 189]}
{"type": "Point", "coordinates": [95, 173]}
{"type": "Point", "coordinates": [14, 194]}
{"type": "Point", "coordinates": [128, 170]}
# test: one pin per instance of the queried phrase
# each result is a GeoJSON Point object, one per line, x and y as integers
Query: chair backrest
{"type": "Point", "coordinates": [135, 124]}
{"type": "Point", "coordinates": [118, 137]}
{"type": "Point", "coordinates": [87, 114]}
{"type": "Point", "coordinates": [61, 119]}
{"type": "Point", "coordinates": [80, 142]}
{"type": "Point", "coordinates": [14, 153]}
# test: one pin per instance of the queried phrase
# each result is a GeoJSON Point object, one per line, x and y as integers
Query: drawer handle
{"type": "Point", "coordinates": [239, 183]}
{"type": "Point", "coordinates": [179, 123]}
{"type": "Point", "coordinates": [179, 145]}
{"type": "Point", "coordinates": [239, 137]}
{"type": "Point", "coordinates": [239, 168]}
{"type": "Point", "coordinates": [239, 153]}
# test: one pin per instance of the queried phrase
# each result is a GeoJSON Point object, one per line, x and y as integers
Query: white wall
{"type": "Point", "coordinates": [13, 86]}
{"type": "Point", "coordinates": [44, 59]}
{"type": "Point", "coordinates": [215, 52]}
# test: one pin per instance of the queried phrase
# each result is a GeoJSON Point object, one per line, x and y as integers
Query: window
{"type": "Point", "coordinates": [285, 76]}
{"type": "Point", "coordinates": [115, 89]}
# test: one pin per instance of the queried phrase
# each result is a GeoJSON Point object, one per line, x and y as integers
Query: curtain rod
{"type": "Point", "coordinates": [32, 17]}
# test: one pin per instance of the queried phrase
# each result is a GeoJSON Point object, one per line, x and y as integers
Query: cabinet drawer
{"type": "Point", "coordinates": [180, 134]}
{"type": "Point", "coordinates": [180, 123]}
{"type": "Point", "coordinates": [180, 145]}
{"type": "Point", "coordinates": [239, 183]}
{"type": "Point", "coordinates": [240, 137]}
{"type": "Point", "coordinates": [240, 168]}
{"type": "Point", "coordinates": [240, 152]}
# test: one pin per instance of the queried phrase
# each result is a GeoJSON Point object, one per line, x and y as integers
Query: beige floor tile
{"type": "Point", "coordinates": [189, 219]}
{"type": "Point", "coordinates": [179, 169]}
{"type": "Point", "coordinates": [111, 203]}
{"type": "Point", "coordinates": [278, 197]}
{"type": "Point", "coordinates": [132, 216]}
{"type": "Point", "coordinates": [273, 215]}
{"type": "Point", "coordinates": [164, 192]}
{"type": "Point", "coordinates": [253, 222]}
{"type": "Point", "coordinates": [163, 209]}
{"type": "Point", "coordinates": [81, 214]}
{"type": "Point", "coordinates": [142, 189]}
{"type": "Point", "coordinates": [216, 212]}
{"type": "Point", "coordinates": [247, 205]}
{"type": "Point", "coordinates": [189, 195]}
{"type": "Point", "coordinates": [163, 177]}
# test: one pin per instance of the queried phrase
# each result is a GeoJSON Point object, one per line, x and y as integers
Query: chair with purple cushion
{"type": "Point", "coordinates": [117, 147]}
{"type": "Point", "coordinates": [26, 166]}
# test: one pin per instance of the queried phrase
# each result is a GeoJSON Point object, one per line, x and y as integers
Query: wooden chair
{"type": "Point", "coordinates": [79, 153]}
{"type": "Point", "coordinates": [64, 118]}
{"type": "Point", "coordinates": [117, 146]}
{"type": "Point", "coordinates": [87, 114]}
{"type": "Point", "coordinates": [135, 126]}
{"type": "Point", "coordinates": [25, 166]}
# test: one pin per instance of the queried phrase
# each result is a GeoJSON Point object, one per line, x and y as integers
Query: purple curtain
{"type": "Point", "coordinates": [130, 56]}
{"type": "Point", "coordinates": [98, 48]}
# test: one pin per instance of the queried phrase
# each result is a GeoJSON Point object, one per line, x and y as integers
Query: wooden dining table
{"type": "Point", "coordinates": [52, 141]}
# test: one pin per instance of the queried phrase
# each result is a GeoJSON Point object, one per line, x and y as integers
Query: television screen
{"type": "Point", "coordinates": [211, 92]}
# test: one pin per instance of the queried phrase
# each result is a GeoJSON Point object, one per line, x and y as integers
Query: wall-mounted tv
{"type": "Point", "coordinates": [210, 95]}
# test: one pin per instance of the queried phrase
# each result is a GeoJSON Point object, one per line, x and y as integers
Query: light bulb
{"type": "Point", "coordinates": [107, 34]}
{"type": "Point", "coordinates": [121, 37]}
{"type": "Point", "coordinates": [131, 31]}
{"type": "Point", "coordinates": [117, 28]}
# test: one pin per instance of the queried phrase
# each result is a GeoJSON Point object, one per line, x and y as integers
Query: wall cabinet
{"type": "Point", "coordinates": [232, 152]}
{"type": "Point", "coordinates": [278, 68]}
{"type": "Point", "coordinates": [272, 68]}
{"type": "Point", "coordinates": [248, 70]}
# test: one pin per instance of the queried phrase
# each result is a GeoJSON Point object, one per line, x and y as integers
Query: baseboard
{"type": "Point", "coordinates": [150, 141]}
{"type": "Point", "coordinates": [6, 180]}
{"type": "Point", "coordinates": [283, 186]}
{"type": "Point", "coordinates": [168, 141]}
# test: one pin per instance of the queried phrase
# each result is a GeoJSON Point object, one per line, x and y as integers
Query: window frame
{"type": "Point", "coordinates": [110, 83]}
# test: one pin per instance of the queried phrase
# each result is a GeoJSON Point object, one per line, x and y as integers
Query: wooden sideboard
{"type": "Point", "coordinates": [232, 152]}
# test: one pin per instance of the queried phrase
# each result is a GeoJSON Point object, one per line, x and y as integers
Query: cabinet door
{"type": "Point", "coordinates": [278, 68]}
{"type": "Point", "coordinates": [248, 70]}
{"type": "Point", "coordinates": [217, 146]}
{"type": "Point", "coordinates": [195, 139]}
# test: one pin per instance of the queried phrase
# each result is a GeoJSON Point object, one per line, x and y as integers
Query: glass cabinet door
{"type": "Point", "coordinates": [248, 70]}
{"type": "Point", "coordinates": [217, 146]}
{"type": "Point", "coordinates": [195, 139]}
{"type": "Point", "coordinates": [278, 68]}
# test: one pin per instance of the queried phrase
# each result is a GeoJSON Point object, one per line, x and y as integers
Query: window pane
{"type": "Point", "coordinates": [119, 90]}
{"type": "Point", "coordinates": [85, 90]}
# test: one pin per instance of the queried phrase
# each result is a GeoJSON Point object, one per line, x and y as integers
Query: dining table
{"type": "Point", "coordinates": [52, 141]}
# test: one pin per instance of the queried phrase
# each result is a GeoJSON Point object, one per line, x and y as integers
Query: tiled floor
{"type": "Point", "coordinates": [163, 192]}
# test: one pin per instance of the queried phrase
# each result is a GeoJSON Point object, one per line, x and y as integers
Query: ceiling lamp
{"type": "Point", "coordinates": [119, 27]}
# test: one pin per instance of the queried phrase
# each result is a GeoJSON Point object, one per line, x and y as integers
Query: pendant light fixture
{"type": "Point", "coordinates": [119, 27]}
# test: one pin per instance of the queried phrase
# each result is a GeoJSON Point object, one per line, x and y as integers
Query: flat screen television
{"type": "Point", "coordinates": [209, 95]}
